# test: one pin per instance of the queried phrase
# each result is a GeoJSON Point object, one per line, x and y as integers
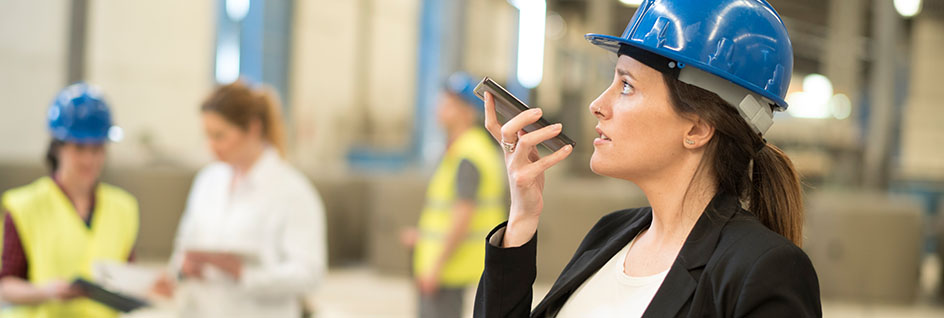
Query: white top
{"type": "Point", "coordinates": [274, 218]}
{"type": "Point", "coordinates": [612, 293]}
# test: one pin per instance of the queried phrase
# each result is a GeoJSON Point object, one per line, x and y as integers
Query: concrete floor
{"type": "Point", "coordinates": [359, 292]}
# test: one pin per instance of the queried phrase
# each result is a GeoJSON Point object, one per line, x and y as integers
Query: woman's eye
{"type": "Point", "coordinates": [627, 89]}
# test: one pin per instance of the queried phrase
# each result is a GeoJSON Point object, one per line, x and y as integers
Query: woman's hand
{"type": "Point", "coordinates": [60, 290]}
{"type": "Point", "coordinates": [230, 263]}
{"type": "Point", "coordinates": [428, 284]}
{"type": "Point", "coordinates": [525, 168]}
{"type": "Point", "coordinates": [164, 286]}
{"type": "Point", "coordinates": [192, 266]}
{"type": "Point", "coordinates": [409, 236]}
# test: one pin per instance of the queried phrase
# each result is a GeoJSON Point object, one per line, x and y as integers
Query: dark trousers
{"type": "Point", "coordinates": [446, 303]}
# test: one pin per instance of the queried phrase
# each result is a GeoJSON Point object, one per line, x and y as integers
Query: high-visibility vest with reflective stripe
{"type": "Point", "coordinates": [60, 246]}
{"type": "Point", "coordinates": [466, 263]}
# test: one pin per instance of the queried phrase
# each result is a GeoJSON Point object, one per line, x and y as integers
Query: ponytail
{"type": "Point", "coordinates": [765, 178]}
{"type": "Point", "coordinates": [776, 196]}
{"type": "Point", "coordinates": [240, 105]}
{"type": "Point", "coordinates": [273, 127]}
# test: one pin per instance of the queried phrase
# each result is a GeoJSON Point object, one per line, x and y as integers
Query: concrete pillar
{"type": "Point", "coordinates": [845, 45]}
{"type": "Point", "coordinates": [922, 158]}
{"type": "Point", "coordinates": [878, 143]}
{"type": "Point", "coordinates": [154, 61]}
{"type": "Point", "coordinates": [600, 15]}
{"type": "Point", "coordinates": [77, 36]}
{"type": "Point", "coordinates": [844, 52]}
{"type": "Point", "coordinates": [326, 86]}
{"type": "Point", "coordinates": [33, 49]}
{"type": "Point", "coordinates": [392, 79]}
{"type": "Point", "coordinates": [487, 39]}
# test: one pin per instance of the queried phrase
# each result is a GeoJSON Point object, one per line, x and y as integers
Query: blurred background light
{"type": "Point", "coordinates": [556, 26]}
{"type": "Point", "coordinates": [631, 3]}
{"type": "Point", "coordinates": [116, 134]}
{"type": "Point", "coordinates": [814, 100]}
{"type": "Point", "coordinates": [227, 62]}
{"type": "Point", "coordinates": [908, 8]}
{"type": "Point", "coordinates": [819, 86]}
{"type": "Point", "coordinates": [236, 10]}
{"type": "Point", "coordinates": [531, 27]}
{"type": "Point", "coordinates": [840, 106]}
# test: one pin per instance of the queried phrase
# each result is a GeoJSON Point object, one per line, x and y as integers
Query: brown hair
{"type": "Point", "coordinates": [765, 178]}
{"type": "Point", "coordinates": [240, 104]}
{"type": "Point", "coordinates": [52, 154]}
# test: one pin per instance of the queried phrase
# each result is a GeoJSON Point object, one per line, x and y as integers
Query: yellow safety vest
{"type": "Point", "coordinates": [59, 245]}
{"type": "Point", "coordinates": [468, 260]}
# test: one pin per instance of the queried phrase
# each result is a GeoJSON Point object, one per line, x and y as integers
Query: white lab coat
{"type": "Point", "coordinates": [274, 218]}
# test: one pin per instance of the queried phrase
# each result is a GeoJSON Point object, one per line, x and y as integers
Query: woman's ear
{"type": "Point", "coordinates": [699, 134]}
{"type": "Point", "coordinates": [255, 128]}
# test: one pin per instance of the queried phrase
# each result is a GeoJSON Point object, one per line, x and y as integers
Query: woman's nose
{"type": "Point", "coordinates": [596, 107]}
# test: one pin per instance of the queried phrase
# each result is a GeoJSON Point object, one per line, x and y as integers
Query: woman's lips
{"type": "Point", "coordinates": [603, 139]}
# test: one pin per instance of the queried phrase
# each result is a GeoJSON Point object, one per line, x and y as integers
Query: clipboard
{"type": "Point", "coordinates": [116, 301]}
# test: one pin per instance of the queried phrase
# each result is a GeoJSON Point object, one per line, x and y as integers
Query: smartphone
{"type": "Point", "coordinates": [508, 106]}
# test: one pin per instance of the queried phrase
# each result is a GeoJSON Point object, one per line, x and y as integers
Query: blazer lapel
{"type": "Point", "coordinates": [587, 263]}
{"type": "Point", "coordinates": [683, 276]}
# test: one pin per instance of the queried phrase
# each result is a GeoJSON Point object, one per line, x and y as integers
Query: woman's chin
{"type": "Point", "coordinates": [596, 164]}
{"type": "Point", "coordinates": [607, 167]}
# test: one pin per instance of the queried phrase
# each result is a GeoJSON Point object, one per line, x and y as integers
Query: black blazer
{"type": "Point", "coordinates": [731, 265]}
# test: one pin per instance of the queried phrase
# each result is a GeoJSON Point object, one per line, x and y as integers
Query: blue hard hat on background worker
{"type": "Point", "coordinates": [744, 44]}
{"type": "Point", "coordinates": [462, 85]}
{"type": "Point", "coordinates": [80, 114]}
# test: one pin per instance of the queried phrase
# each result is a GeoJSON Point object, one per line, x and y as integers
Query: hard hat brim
{"type": "Point", "coordinates": [612, 44]}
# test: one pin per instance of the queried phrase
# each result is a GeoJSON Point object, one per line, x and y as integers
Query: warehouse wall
{"type": "Point", "coordinates": [32, 69]}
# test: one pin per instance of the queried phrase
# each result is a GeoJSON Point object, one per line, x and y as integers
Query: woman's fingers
{"type": "Point", "coordinates": [533, 154]}
{"type": "Point", "coordinates": [510, 129]}
{"type": "Point", "coordinates": [552, 159]}
{"type": "Point", "coordinates": [491, 120]}
{"type": "Point", "coordinates": [536, 137]}
{"type": "Point", "coordinates": [507, 131]}
{"type": "Point", "coordinates": [525, 175]}
{"type": "Point", "coordinates": [527, 145]}
{"type": "Point", "coordinates": [525, 158]}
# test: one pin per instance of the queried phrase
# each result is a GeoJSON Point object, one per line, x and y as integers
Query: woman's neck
{"type": "Point", "coordinates": [255, 152]}
{"type": "Point", "coordinates": [677, 201]}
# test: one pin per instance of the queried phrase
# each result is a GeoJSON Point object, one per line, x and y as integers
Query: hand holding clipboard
{"type": "Point", "coordinates": [116, 301]}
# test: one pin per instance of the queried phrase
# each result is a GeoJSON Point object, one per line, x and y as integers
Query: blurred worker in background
{"type": "Point", "coordinates": [59, 226]}
{"type": "Point", "coordinates": [463, 201]}
{"type": "Point", "coordinates": [251, 242]}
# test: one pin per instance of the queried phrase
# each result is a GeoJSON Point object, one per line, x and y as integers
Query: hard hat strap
{"type": "Point", "coordinates": [755, 109]}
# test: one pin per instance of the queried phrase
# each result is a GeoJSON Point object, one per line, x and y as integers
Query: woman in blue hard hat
{"type": "Point", "coordinates": [251, 242]}
{"type": "Point", "coordinates": [59, 226]}
{"type": "Point", "coordinates": [692, 95]}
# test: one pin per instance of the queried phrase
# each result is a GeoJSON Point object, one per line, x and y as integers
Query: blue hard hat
{"type": "Point", "coordinates": [742, 41]}
{"type": "Point", "coordinates": [463, 85]}
{"type": "Point", "coordinates": [80, 114]}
